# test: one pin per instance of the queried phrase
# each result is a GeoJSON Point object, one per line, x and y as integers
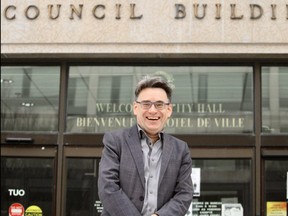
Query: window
{"type": "Point", "coordinates": [274, 100]}
{"type": "Point", "coordinates": [276, 191]}
{"type": "Point", "coordinates": [205, 99]}
{"type": "Point", "coordinates": [28, 180]}
{"type": "Point", "coordinates": [222, 182]}
{"type": "Point", "coordinates": [82, 191]}
{"type": "Point", "coordinates": [29, 98]}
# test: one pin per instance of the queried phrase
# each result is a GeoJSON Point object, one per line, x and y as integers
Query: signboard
{"type": "Point", "coordinates": [206, 209]}
{"type": "Point", "coordinates": [99, 207]}
{"type": "Point", "coordinates": [33, 210]}
{"type": "Point", "coordinates": [276, 209]}
{"type": "Point", "coordinates": [196, 117]}
{"type": "Point", "coordinates": [144, 22]}
{"type": "Point", "coordinates": [196, 179]}
{"type": "Point", "coordinates": [232, 209]}
{"type": "Point", "coordinates": [16, 209]}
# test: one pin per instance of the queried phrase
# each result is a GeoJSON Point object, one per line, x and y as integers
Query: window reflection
{"type": "Point", "coordinates": [223, 182]}
{"type": "Point", "coordinates": [274, 99]}
{"type": "Point", "coordinates": [82, 192]}
{"type": "Point", "coordinates": [205, 99]}
{"type": "Point", "coordinates": [220, 182]}
{"type": "Point", "coordinates": [276, 174]}
{"type": "Point", "coordinates": [29, 98]}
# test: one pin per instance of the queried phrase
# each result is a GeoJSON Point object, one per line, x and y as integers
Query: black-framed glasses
{"type": "Point", "coordinates": [159, 105]}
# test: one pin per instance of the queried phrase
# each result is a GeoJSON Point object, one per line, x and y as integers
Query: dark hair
{"type": "Point", "coordinates": [153, 82]}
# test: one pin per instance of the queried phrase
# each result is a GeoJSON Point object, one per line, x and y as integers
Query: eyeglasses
{"type": "Point", "coordinates": [159, 105]}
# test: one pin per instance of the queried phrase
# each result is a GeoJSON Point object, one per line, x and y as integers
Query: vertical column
{"type": "Point", "coordinates": [60, 152]}
{"type": "Point", "coordinates": [257, 123]}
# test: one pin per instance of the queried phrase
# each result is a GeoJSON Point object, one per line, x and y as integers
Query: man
{"type": "Point", "coordinates": [144, 171]}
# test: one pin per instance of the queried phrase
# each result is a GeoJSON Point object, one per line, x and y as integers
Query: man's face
{"type": "Point", "coordinates": [152, 120]}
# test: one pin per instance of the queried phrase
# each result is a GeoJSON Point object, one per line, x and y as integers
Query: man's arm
{"type": "Point", "coordinates": [178, 205]}
{"type": "Point", "coordinates": [113, 198]}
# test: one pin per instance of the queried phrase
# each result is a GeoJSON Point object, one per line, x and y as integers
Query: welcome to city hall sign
{"type": "Point", "coordinates": [186, 117]}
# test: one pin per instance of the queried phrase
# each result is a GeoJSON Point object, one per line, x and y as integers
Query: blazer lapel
{"type": "Point", "coordinates": [134, 145]}
{"type": "Point", "coordinates": [166, 154]}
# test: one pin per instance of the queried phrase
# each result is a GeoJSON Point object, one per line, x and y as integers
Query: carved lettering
{"type": "Point", "coordinates": [233, 13]}
{"type": "Point", "coordinates": [196, 6]}
{"type": "Point", "coordinates": [252, 9]}
{"type": "Point", "coordinates": [273, 7]}
{"type": "Point", "coordinates": [50, 11]}
{"type": "Point", "coordinates": [95, 9]}
{"type": "Point", "coordinates": [75, 11]}
{"type": "Point", "coordinates": [6, 11]}
{"type": "Point", "coordinates": [180, 11]}
{"type": "Point", "coordinates": [28, 12]}
{"type": "Point", "coordinates": [118, 11]}
{"type": "Point", "coordinates": [32, 12]}
{"type": "Point", "coordinates": [218, 11]}
{"type": "Point", "coordinates": [132, 12]}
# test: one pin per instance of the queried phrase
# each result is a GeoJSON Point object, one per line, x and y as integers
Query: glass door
{"type": "Point", "coordinates": [80, 179]}
{"type": "Point", "coordinates": [28, 180]}
{"type": "Point", "coordinates": [223, 182]}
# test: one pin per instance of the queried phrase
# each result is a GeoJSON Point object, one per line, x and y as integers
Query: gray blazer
{"type": "Point", "coordinates": [121, 175]}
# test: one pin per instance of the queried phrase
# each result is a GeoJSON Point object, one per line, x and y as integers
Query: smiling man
{"type": "Point", "coordinates": [144, 171]}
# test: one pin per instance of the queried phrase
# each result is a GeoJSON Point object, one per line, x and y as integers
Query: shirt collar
{"type": "Point", "coordinates": [143, 135]}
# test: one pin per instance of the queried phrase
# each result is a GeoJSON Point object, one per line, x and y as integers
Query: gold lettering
{"type": "Point", "coordinates": [84, 122]}
{"type": "Point", "coordinates": [94, 11]}
{"type": "Point", "coordinates": [113, 107]}
{"type": "Point", "coordinates": [210, 108]}
{"type": "Point", "coordinates": [79, 122]}
{"type": "Point", "coordinates": [203, 122]}
{"type": "Point", "coordinates": [132, 12]}
{"type": "Point", "coordinates": [50, 8]}
{"type": "Point", "coordinates": [273, 7]}
{"type": "Point", "coordinates": [105, 122]}
{"type": "Point", "coordinates": [180, 11]}
{"type": "Point", "coordinates": [88, 122]}
{"type": "Point", "coordinates": [182, 108]}
{"type": "Point", "coordinates": [118, 11]}
{"type": "Point", "coordinates": [12, 7]}
{"type": "Point", "coordinates": [229, 122]}
{"type": "Point", "coordinates": [179, 122]}
{"type": "Point", "coordinates": [196, 6]}
{"type": "Point", "coordinates": [75, 11]}
{"type": "Point", "coordinates": [252, 10]}
{"type": "Point", "coordinates": [110, 122]}
{"type": "Point", "coordinates": [218, 11]}
{"type": "Point", "coordinates": [36, 11]}
{"type": "Point", "coordinates": [233, 12]}
{"type": "Point", "coordinates": [99, 107]}
{"type": "Point", "coordinates": [241, 122]}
